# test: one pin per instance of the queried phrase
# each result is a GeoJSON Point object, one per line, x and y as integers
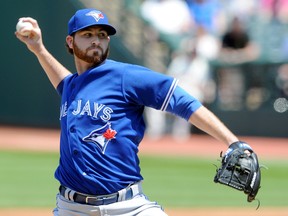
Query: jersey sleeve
{"type": "Point", "coordinates": [145, 87]}
{"type": "Point", "coordinates": [61, 84]}
{"type": "Point", "coordinates": [60, 87]}
{"type": "Point", "coordinates": [183, 104]}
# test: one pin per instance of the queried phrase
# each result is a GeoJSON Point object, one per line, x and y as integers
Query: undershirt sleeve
{"type": "Point", "coordinates": [183, 104]}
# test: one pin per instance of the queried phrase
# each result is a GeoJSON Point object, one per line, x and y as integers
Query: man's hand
{"type": "Point", "coordinates": [34, 39]}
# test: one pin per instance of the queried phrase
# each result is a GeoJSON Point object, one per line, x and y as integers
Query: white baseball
{"type": "Point", "coordinates": [24, 28]}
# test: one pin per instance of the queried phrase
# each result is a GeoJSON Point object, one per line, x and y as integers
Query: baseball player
{"type": "Point", "coordinates": [102, 121]}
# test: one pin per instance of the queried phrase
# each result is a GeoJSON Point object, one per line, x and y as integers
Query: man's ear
{"type": "Point", "coordinates": [69, 41]}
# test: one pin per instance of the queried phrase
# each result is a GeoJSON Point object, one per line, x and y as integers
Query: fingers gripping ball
{"type": "Point", "coordinates": [240, 170]}
{"type": "Point", "coordinates": [24, 28]}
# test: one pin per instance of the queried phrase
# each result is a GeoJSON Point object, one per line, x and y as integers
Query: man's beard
{"type": "Point", "coordinates": [95, 59]}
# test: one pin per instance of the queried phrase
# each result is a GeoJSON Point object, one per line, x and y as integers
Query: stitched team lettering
{"type": "Point", "coordinates": [88, 108]}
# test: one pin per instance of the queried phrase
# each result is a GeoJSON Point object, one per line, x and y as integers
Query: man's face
{"type": "Point", "coordinates": [91, 45]}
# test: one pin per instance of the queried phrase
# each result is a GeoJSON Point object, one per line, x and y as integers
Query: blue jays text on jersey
{"type": "Point", "coordinates": [91, 109]}
{"type": "Point", "coordinates": [102, 123]}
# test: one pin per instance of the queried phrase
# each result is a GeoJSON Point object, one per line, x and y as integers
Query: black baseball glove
{"type": "Point", "coordinates": [240, 169]}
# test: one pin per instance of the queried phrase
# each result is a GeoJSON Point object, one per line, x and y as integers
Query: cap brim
{"type": "Point", "coordinates": [110, 29]}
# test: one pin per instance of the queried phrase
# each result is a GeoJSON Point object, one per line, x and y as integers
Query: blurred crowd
{"type": "Point", "coordinates": [184, 16]}
{"type": "Point", "coordinates": [226, 33]}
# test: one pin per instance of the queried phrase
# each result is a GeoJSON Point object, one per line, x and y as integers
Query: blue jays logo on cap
{"type": "Point", "coordinates": [89, 17]}
{"type": "Point", "coordinates": [101, 136]}
{"type": "Point", "coordinates": [97, 15]}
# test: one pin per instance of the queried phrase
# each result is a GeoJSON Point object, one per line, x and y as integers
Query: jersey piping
{"type": "Point", "coordinates": [169, 95]}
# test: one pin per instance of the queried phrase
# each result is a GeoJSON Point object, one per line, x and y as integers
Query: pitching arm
{"type": "Point", "coordinates": [55, 71]}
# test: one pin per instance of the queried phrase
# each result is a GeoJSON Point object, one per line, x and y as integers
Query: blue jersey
{"type": "Point", "coordinates": [102, 123]}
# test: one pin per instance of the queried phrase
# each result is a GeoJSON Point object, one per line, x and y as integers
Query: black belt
{"type": "Point", "coordinates": [125, 194]}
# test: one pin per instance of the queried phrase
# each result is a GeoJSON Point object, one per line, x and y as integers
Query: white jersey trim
{"type": "Point", "coordinates": [169, 95]}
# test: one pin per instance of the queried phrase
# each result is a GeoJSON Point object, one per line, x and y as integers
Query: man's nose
{"type": "Point", "coordinates": [95, 41]}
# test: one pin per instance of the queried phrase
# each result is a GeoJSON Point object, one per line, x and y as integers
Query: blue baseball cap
{"type": "Point", "coordinates": [89, 17]}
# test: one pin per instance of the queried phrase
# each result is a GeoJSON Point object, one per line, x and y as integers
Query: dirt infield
{"type": "Point", "coordinates": [30, 139]}
{"type": "Point", "coordinates": [14, 138]}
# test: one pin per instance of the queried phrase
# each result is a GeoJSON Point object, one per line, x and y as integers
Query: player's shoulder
{"type": "Point", "coordinates": [132, 73]}
{"type": "Point", "coordinates": [125, 65]}
{"type": "Point", "coordinates": [126, 68]}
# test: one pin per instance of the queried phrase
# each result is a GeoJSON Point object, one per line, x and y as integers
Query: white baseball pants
{"type": "Point", "coordinates": [138, 206]}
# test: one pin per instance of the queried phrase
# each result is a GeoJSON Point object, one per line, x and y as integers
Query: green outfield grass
{"type": "Point", "coordinates": [27, 180]}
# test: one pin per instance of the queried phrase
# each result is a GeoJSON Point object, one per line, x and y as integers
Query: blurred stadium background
{"type": "Point", "coordinates": [249, 96]}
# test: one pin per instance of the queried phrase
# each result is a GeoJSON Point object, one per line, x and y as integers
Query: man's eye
{"type": "Point", "coordinates": [87, 34]}
{"type": "Point", "coordinates": [102, 35]}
